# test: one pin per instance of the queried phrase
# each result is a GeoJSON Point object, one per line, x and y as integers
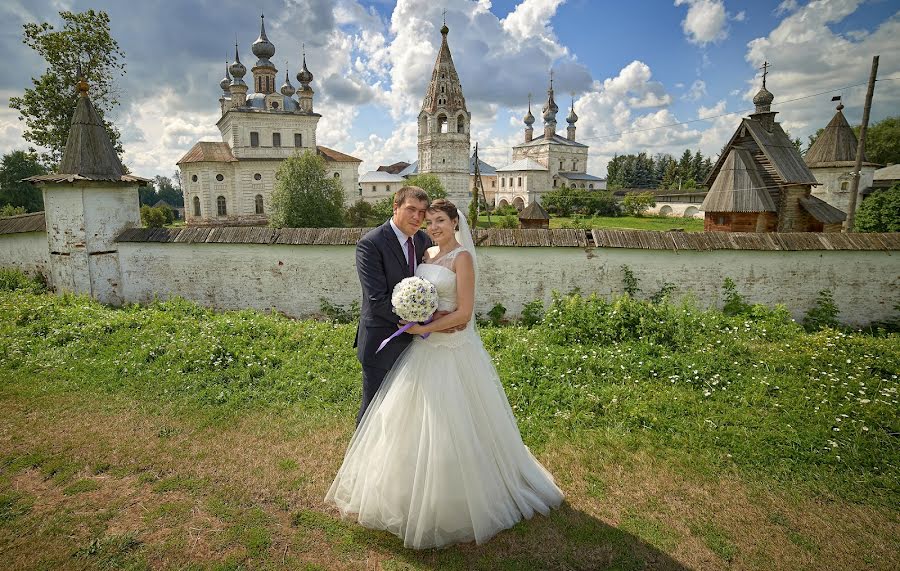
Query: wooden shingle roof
{"type": "Point", "coordinates": [836, 146]}
{"type": "Point", "coordinates": [739, 186]}
{"type": "Point", "coordinates": [822, 211]}
{"type": "Point", "coordinates": [33, 222]}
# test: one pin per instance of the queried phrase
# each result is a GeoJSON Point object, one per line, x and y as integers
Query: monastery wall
{"type": "Point", "coordinates": [292, 278]}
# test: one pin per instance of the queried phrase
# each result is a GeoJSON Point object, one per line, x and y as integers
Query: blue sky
{"type": "Point", "coordinates": [635, 67]}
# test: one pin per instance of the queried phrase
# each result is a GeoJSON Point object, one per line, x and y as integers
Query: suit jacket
{"type": "Point", "coordinates": [381, 263]}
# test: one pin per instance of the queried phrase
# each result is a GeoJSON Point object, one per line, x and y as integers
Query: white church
{"type": "Point", "coordinates": [231, 182]}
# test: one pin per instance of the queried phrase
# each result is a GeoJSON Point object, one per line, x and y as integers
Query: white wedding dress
{"type": "Point", "coordinates": [437, 457]}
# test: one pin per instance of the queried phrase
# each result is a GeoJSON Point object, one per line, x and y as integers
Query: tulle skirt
{"type": "Point", "coordinates": [437, 457]}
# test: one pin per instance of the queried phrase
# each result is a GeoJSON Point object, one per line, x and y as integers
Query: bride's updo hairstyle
{"type": "Point", "coordinates": [445, 206]}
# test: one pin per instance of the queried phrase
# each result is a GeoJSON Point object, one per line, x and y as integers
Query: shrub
{"type": "Point", "coordinates": [8, 210]}
{"type": "Point", "coordinates": [359, 214]}
{"type": "Point", "coordinates": [508, 221]}
{"type": "Point", "coordinates": [880, 212]}
{"type": "Point", "coordinates": [734, 302]}
{"type": "Point", "coordinates": [636, 203]}
{"type": "Point", "coordinates": [532, 313]}
{"type": "Point", "coordinates": [662, 295]}
{"type": "Point", "coordinates": [12, 280]}
{"type": "Point", "coordinates": [496, 314]}
{"type": "Point", "coordinates": [629, 282]}
{"type": "Point", "coordinates": [383, 209]}
{"type": "Point", "coordinates": [153, 217]}
{"type": "Point", "coordinates": [507, 210]}
{"type": "Point", "coordinates": [823, 313]}
{"type": "Point", "coordinates": [338, 314]}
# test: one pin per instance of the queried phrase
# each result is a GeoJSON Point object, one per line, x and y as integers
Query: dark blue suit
{"type": "Point", "coordinates": [381, 263]}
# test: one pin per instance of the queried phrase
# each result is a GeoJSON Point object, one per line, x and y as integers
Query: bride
{"type": "Point", "coordinates": [437, 457]}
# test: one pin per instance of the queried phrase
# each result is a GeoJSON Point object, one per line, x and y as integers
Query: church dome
{"type": "Point", "coordinates": [237, 69]}
{"type": "Point", "coordinates": [262, 47]}
{"type": "Point", "coordinates": [763, 97]}
{"type": "Point", "coordinates": [286, 88]}
{"type": "Point", "coordinates": [226, 81]}
{"type": "Point", "coordinates": [529, 118]}
{"type": "Point", "coordinates": [304, 76]}
{"type": "Point", "coordinates": [572, 116]}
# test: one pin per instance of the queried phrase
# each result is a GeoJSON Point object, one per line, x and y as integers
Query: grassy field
{"type": "Point", "coordinates": [172, 437]}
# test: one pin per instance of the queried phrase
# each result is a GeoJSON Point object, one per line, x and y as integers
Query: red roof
{"type": "Point", "coordinates": [208, 152]}
{"type": "Point", "coordinates": [336, 156]}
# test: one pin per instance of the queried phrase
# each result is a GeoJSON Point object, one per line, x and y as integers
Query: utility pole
{"type": "Point", "coordinates": [861, 148]}
{"type": "Point", "coordinates": [479, 185]}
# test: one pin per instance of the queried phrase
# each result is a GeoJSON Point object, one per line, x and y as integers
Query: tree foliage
{"type": "Point", "coordinates": [305, 196]}
{"type": "Point", "coordinates": [8, 210]}
{"type": "Point", "coordinates": [359, 214]}
{"type": "Point", "coordinates": [47, 107]}
{"type": "Point", "coordinates": [566, 201]}
{"type": "Point", "coordinates": [14, 167]}
{"type": "Point", "coordinates": [880, 212]}
{"type": "Point", "coordinates": [661, 171]}
{"type": "Point", "coordinates": [430, 183]}
{"type": "Point", "coordinates": [162, 188]}
{"type": "Point", "coordinates": [155, 217]}
{"type": "Point", "coordinates": [636, 203]}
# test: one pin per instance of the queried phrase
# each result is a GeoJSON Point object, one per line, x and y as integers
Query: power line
{"type": "Point", "coordinates": [710, 118]}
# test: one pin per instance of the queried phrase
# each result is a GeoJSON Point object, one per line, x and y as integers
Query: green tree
{"type": "Point", "coordinates": [168, 191]}
{"type": "Point", "coordinates": [430, 183]}
{"type": "Point", "coordinates": [153, 217]}
{"type": "Point", "coordinates": [48, 106]}
{"type": "Point", "coordinates": [883, 141]}
{"type": "Point", "coordinates": [14, 167]}
{"type": "Point", "coordinates": [383, 209]}
{"type": "Point", "coordinates": [9, 210]}
{"type": "Point", "coordinates": [359, 214]}
{"type": "Point", "coordinates": [636, 203]}
{"type": "Point", "coordinates": [305, 196]}
{"type": "Point", "coordinates": [880, 212]}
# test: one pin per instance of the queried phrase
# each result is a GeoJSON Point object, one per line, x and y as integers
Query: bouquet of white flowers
{"type": "Point", "coordinates": [415, 300]}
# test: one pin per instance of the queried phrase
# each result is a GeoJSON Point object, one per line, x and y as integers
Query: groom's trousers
{"type": "Point", "coordinates": [372, 379]}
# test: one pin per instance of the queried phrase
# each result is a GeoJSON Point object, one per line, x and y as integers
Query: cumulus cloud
{"type": "Point", "coordinates": [807, 57]}
{"type": "Point", "coordinates": [696, 91]}
{"type": "Point", "coordinates": [705, 22]}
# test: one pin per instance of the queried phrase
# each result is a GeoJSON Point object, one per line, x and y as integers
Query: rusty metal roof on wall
{"type": "Point", "coordinates": [336, 156]}
{"type": "Point", "coordinates": [33, 222]}
{"type": "Point", "coordinates": [566, 238]}
{"type": "Point", "coordinates": [208, 152]}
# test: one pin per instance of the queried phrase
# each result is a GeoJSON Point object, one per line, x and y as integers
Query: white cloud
{"type": "Point", "coordinates": [705, 22]}
{"type": "Point", "coordinates": [696, 91]}
{"type": "Point", "coordinates": [808, 57]}
{"type": "Point", "coordinates": [740, 16]}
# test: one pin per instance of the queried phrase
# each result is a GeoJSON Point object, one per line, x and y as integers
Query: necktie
{"type": "Point", "coordinates": [411, 256]}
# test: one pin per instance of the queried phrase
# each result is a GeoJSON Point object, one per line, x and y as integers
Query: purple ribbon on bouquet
{"type": "Point", "coordinates": [403, 330]}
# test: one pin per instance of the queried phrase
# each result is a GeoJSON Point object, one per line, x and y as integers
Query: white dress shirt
{"type": "Point", "coordinates": [401, 237]}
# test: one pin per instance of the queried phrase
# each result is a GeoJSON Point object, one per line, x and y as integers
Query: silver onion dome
{"type": "Point", "coordinates": [237, 69]}
{"type": "Point", "coordinates": [529, 118]}
{"type": "Point", "coordinates": [572, 116]}
{"type": "Point", "coordinates": [286, 88]}
{"type": "Point", "coordinates": [304, 76]}
{"type": "Point", "coordinates": [262, 47]}
{"type": "Point", "coordinates": [226, 81]}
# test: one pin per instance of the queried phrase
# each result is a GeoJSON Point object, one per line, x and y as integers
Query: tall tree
{"type": "Point", "coordinates": [166, 190]}
{"type": "Point", "coordinates": [430, 183]}
{"type": "Point", "coordinates": [305, 196]}
{"type": "Point", "coordinates": [883, 141]}
{"type": "Point", "coordinates": [14, 167]}
{"type": "Point", "coordinates": [48, 106]}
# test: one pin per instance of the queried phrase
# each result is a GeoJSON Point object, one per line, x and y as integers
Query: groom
{"type": "Point", "coordinates": [385, 256]}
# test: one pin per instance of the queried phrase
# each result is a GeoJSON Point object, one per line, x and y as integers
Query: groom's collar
{"type": "Point", "coordinates": [399, 233]}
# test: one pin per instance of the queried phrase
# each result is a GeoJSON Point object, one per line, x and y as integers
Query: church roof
{"type": "Point", "coordinates": [208, 152]}
{"type": "Point", "coordinates": [836, 144]}
{"type": "Point", "coordinates": [444, 75]}
{"type": "Point", "coordinates": [580, 176]}
{"type": "Point", "coordinates": [335, 156]}
{"type": "Point", "coordinates": [395, 168]}
{"type": "Point", "coordinates": [539, 140]}
{"type": "Point", "coordinates": [777, 154]}
{"type": "Point", "coordinates": [523, 165]}
{"type": "Point", "coordinates": [534, 211]}
{"type": "Point", "coordinates": [380, 177]}
{"type": "Point", "coordinates": [411, 170]}
{"type": "Point", "coordinates": [821, 210]}
{"type": "Point", "coordinates": [738, 186]}
{"type": "Point", "coordinates": [89, 153]}
{"type": "Point", "coordinates": [890, 172]}
{"type": "Point", "coordinates": [483, 167]}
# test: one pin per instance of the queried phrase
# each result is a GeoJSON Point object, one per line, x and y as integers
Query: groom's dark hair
{"type": "Point", "coordinates": [410, 192]}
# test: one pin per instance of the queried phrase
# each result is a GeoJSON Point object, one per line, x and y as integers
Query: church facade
{"type": "Point", "coordinates": [546, 162]}
{"type": "Point", "coordinates": [231, 182]}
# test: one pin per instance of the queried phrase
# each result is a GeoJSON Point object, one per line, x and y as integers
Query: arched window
{"type": "Point", "coordinates": [574, 163]}
{"type": "Point", "coordinates": [460, 124]}
{"type": "Point", "coordinates": [442, 123]}
{"type": "Point", "coordinates": [259, 204]}
{"type": "Point", "coordinates": [560, 165]}
{"type": "Point", "coordinates": [520, 181]}
{"type": "Point", "coordinates": [197, 206]}
{"type": "Point", "coordinates": [502, 182]}
{"type": "Point", "coordinates": [591, 186]}
{"type": "Point", "coordinates": [220, 206]}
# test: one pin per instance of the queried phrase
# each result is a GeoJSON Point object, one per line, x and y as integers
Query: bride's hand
{"type": "Point", "coordinates": [416, 329]}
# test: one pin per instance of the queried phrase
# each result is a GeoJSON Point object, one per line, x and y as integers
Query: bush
{"type": "Point", "coordinates": [8, 210]}
{"type": "Point", "coordinates": [734, 302]}
{"type": "Point", "coordinates": [383, 209]}
{"type": "Point", "coordinates": [359, 215]}
{"type": "Point", "coordinates": [636, 203]}
{"type": "Point", "coordinates": [508, 221]}
{"type": "Point", "coordinates": [629, 282]}
{"type": "Point", "coordinates": [430, 183]}
{"type": "Point", "coordinates": [153, 217]}
{"type": "Point", "coordinates": [507, 210]}
{"type": "Point", "coordinates": [305, 196]}
{"type": "Point", "coordinates": [532, 313]}
{"type": "Point", "coordinates": [823, 313]}
{"type": "Point", "coordinates": [16, 280]}
{"type": "Point", "coordinates": [338, 314]}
